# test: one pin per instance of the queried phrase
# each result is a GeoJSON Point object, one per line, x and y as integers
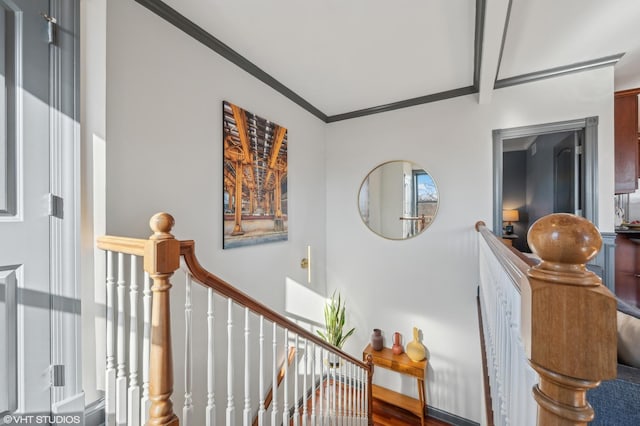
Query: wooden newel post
{"type": "Point", "coordinates": [370, 387]}
{"type": "Point", "coordinates": [161, 259]}
{"type": "Point", "coordinates": [568, 319]}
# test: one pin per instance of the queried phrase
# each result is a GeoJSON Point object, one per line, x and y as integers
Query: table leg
{"type": "Point", "coordinates": [421, 396]}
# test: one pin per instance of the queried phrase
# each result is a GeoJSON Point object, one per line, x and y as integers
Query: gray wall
{"type": "Point", "coordinates": [514, 187]}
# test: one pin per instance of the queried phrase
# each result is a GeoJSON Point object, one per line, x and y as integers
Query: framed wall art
{"type": "Point", "coordinates": [255, 179]}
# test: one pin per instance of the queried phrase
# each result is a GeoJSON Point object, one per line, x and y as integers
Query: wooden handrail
{"type": "Point", "coordinates": [124, 245]}
{"type": "Point", "coordinates": [161, 253]}
{"type": "Point", "coordinates": [568, 318]}
{"type": "Point", "coordinates": [514, 265]}
{"type": "Point", "coordinates": [207, 279]}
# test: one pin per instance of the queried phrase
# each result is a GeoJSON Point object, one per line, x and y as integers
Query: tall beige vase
{"type": "Point", "coordinates": [416, 350]}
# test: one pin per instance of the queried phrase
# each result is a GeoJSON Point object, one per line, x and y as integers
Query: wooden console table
{"type": "Point", "coordinates": [401, 364]}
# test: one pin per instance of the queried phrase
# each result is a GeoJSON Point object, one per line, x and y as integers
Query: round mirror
{"type": "Point", "coordinates": [398, 200]}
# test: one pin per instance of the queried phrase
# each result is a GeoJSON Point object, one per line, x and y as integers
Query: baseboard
{"type": "Point", "coordinates": [449, 418]}
{"type": "Point", "coordinates": [94, 413]}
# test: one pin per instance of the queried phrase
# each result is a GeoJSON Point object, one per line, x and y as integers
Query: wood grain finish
{"type": "Point", "coordinates": [401, 363]}
{"type": "Point", "coordinates": [626, 141]}
{"type": "Point", "coordinates": [568, 318]}
{"type": "Point", "coordinates": [161, 259]}
{"type": "Point", "coordinates": [627, 278]}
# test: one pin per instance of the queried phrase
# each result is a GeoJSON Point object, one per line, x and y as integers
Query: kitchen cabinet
{"type": "Point", "coordinates": [627, 153]}
{"type": "Point", "coordinates": [627, 259]}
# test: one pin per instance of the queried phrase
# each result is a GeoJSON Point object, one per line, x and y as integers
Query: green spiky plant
{"type": "Point", "coordinates": [334, 321]}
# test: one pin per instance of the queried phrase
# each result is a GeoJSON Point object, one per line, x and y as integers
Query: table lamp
{"type": "Point", "coordinates": [509, 216]}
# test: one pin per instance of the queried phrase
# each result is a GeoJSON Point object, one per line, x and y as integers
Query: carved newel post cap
{"type": "Point", "coordinates": [563, 238]}
{"type": "Point", "coordinates": [161, 223]}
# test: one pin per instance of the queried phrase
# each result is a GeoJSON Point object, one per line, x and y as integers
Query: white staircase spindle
{"type": "Point", "coordinates": [349, 398]}
{"type": "Point", "coordinates": [296, 406]}
{"type": "Point", "coordinates": [323, 384]}
{"type": "Point", "coordinates": [187, 410]}
{"type": "Point", "coordinates": [110, 370]}
{"type": "Point", "coordinates": [334, 395]}
{"type": "Point", "coordinates": [230, 412]}
{"type": "Point", "coordinates": [285, 405]}
{"type": "Point", "coordinates": [210, 413]}
{"type": "Point", "coordinates": [274, 377]}
{"type": "Point", "coordinates": [313, 384]}
{"type": "Point", "coordinates": [246, 412]}
{"type": "Point", "coordinates": [133, 416]}
{"type": "Point", "coordinates": [261, 409]}
{"type": "Point", "coordinates": [305, 406]}
{"type": "Point", "coordinates": [145, 402]}
{"type": "Point", "coordinates": [121, 374]}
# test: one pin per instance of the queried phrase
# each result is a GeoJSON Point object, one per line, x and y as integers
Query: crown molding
{"type": "Point", "coordinates": [558, 71]}
{"type": "Point", "coordinates": [176, 19]}
{"type": "Point", "coordinates": [448, 94]}
{"type": "Point", "coordinates": [198, 33]}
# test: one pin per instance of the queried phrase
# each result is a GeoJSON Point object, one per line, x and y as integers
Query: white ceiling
{"type": "Point", "coordinates": [343, 56]}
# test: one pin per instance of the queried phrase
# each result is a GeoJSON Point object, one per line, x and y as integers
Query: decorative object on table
{"type": "Point", "coordinates": [334, 322]}
{"type": "Point", "coordinates": [397, 348]}
{"type": "Point", "coordinates": [255, 196]}
{"type": "Point", "coordinates": [376, 340]}
{"type": "Point", "coordinates": [415, 349]}
{"type": "Point", "coordinates": [510, 216]}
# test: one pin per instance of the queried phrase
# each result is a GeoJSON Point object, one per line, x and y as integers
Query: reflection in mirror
{"type": "Point", "coordinates": [398, 200]}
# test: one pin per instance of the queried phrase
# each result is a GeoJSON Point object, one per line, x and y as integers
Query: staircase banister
{"type": "Point", "coordinates": [207, 279]}
{"type": "Point", "coordinates": [568, 318]}
{"type": "Point", "coordinates": [126, 245]}
{"type": "Point", "coordinates": [514, 263]}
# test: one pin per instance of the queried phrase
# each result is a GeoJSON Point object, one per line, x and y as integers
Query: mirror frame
{"type": "Point", "coordinates": [435, 214]}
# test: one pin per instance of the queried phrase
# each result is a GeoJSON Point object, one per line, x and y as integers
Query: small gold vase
{"type": "Point", "coordinates": [416, 350]}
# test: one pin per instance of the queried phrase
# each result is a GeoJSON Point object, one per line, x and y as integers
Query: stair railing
{"type": "Point", "coordinates": [556, 316]}
{"type": "Point", "coordinates": [323, 385]}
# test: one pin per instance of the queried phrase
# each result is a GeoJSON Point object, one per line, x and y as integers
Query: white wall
{"type": "Point", "coordinates": [430, 281]}
{"type": "Point", "coordinates": [163, 146]}
{"type": "Point", "coordinates": [164, 153]}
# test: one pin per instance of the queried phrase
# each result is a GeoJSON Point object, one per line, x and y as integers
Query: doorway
{"type": "Point", "coordinates": [562, 158]}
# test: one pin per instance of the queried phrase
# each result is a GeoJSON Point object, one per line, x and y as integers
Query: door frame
{"type": "Point", "coordinates": [590, 127]}
{"type": "Point", "coordinates": [65, 172]}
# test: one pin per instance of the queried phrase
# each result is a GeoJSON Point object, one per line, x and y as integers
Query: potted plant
{"type": "Point", "coordinates": [334, 322]}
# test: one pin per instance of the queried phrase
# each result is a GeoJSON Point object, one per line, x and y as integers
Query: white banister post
{"type": "Point", "coordinates": [285, 405]}
{"type": "Point", "coordinates": [274, 377]}
{"type": "Point", "coordinates": [121, 375]}
{"type": "Point", "coordinates": [261, 408]}
{"type": "Point", "coordinates": [133, 417]}
{"type": "Point", "coordinates": [323, 381]}
{"type": "Point", "coordinates": [313, 384]}
{"type": "Point", "coordinates": [110, 370]}
{"type": "Point", "coordinates": [145, 403]}
{"type": "Point", "coordinates": [230, 412]}
{"type": "Point", "coordinates": [305, 366]}
{"type": "Point", "coordinates": [246, 412]}
{"type": "Point", "coordinates": [296, 406]}
{"type": "Point", "coordinates": [210, 413]}
{"type": "Point", "coordinates": [187, 410]}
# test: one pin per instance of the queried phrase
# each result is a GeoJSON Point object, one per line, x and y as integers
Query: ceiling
{"type": "Point", "coordinates": [341, 59]}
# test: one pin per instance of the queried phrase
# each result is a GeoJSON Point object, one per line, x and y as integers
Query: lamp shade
{"type": "Point", "coordinates": [510, 215]}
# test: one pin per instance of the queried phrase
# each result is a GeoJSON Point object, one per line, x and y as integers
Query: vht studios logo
{"type": "Point", "coordinates": [40, 420]}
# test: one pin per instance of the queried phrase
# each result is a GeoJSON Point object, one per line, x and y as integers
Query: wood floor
{"type": "Point", "coordinates": [388, 415]}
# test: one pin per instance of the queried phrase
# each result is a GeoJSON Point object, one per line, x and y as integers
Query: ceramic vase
{"type": "Point", "coordinates": [376, 339]}
{"type": "Point", "coordinates": [397, 346]}
{"type": "Point", "coordinates": [416, 350]}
